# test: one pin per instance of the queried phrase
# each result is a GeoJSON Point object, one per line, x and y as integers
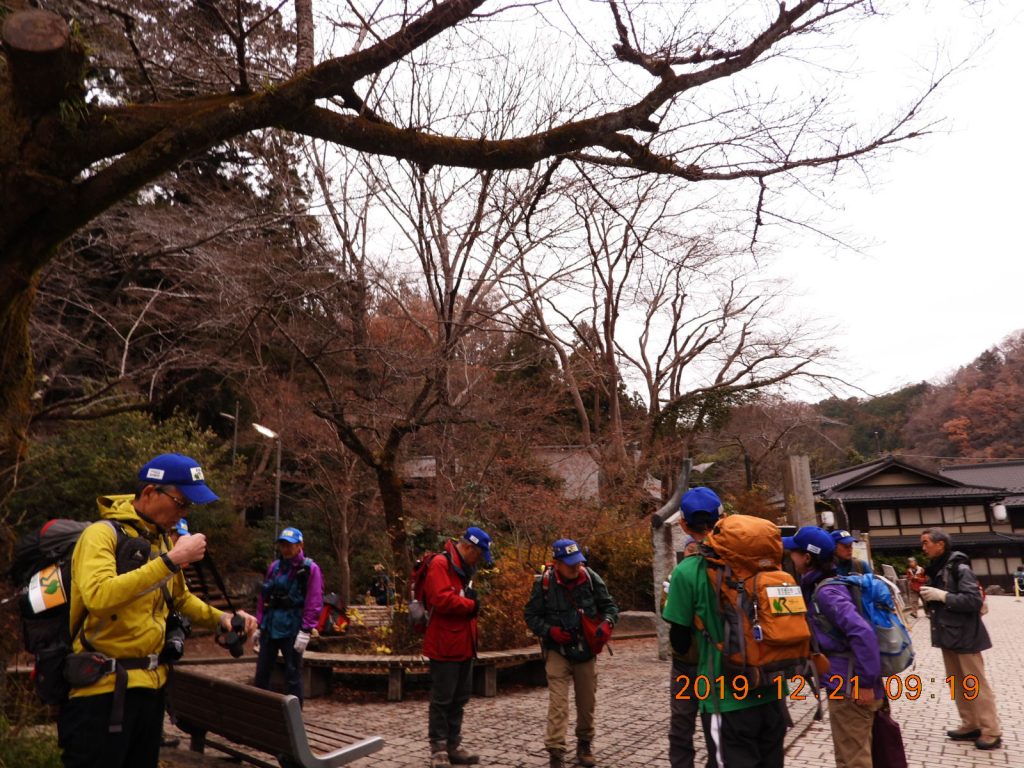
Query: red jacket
{"type": "Point", "coordinates": [451, 633]}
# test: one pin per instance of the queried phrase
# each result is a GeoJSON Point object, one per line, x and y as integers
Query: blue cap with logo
{"type": "Point", "coordinates": [810, 539]}
{"type": "Point", "coordinates": [843, 537]}
{"type": "Point", "coordinates": [700, 504]}
{"type": "Point", "coordinates": [183, 472]}
{"type": "Point", "coordinates": [181, 527]}
{"type": "Point", "coordinates": [568, 551]}
{"type": "Point", "coordinates": [291, 535]}
{"type": "Point", "coordinates": [480, 538]}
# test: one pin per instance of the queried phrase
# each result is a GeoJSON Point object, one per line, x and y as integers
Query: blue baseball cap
{"type": "Point", "coordinates": [480, 538]}
{"type": "Point", "coordinates": [183, 472]}
{"type": "Point", "coordinates": [181, 527]}
{"type": "Point", "coordinates": [810, 539]}
{"type": "Point", "coordinates": [291, 535]}
{"type": "Point", "coordinates": [842, 537]}
{"type": "Point", "coordinates": [568, 551]}
{"type": "Point", "coordinates": [700, 504]}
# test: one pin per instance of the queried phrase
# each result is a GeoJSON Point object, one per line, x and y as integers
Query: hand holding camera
{"type": "Point", "coordinates": [234, 638]}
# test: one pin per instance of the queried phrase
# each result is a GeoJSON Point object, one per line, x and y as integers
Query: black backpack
{"type": "Point", "coordinates": [42, 573]}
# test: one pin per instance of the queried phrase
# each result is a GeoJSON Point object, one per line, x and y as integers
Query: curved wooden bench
{"type": "Point", "coordinates": [319, 667]}
{"type": "Point", "coordinates": [261, 720]}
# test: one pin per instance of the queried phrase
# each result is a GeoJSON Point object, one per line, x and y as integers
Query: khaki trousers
{"type": "Point", "coordinates": [981, 711]}
{"type": "Point", "coordinates": [851, 731]}
{"type": "Point", "coordinates": [583, 676]}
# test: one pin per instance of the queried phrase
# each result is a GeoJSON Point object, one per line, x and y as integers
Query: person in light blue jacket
{"type": "Point", "coordinates": [288, 609]}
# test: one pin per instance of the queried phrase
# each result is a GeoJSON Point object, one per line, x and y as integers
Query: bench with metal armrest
{"type": "Point", "coordinates": [260, 720]}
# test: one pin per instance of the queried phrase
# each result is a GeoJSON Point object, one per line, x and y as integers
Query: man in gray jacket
{"type": "Point", "coordinates": [572, 613]}
{"type": "Point", "coordinates": [953, 601]}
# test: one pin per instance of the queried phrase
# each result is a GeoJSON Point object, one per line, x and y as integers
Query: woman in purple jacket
{"type": "Point", "coordinates": [287, 611]}
{"type": "Point", "coordinates": [854, 680]}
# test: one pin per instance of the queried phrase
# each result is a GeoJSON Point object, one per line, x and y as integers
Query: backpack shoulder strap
{"type": "Point", "coordinates": [121, 537]}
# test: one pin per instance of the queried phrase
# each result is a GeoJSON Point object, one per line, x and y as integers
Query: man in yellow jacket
{"type": "Point", "coordinates": [125, 576]}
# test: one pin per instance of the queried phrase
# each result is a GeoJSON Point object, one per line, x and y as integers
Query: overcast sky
{"type": "Point", "coordinates": [943, 278]}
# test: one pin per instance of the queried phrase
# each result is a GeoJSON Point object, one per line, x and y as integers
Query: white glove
{"type": "Point", "coordinates": [256, 641]}
{"type": "Point", "coordinates": [933, 595]}
{"type": "Point", "coordinates": [301, 641]}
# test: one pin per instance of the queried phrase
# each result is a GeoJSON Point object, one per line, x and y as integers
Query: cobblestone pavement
{"type": "Point", "coordinates": [632, 716]}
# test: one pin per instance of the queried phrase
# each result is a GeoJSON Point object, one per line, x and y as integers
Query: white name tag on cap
{"type": "Point", "coordinates": [154, 474]}
{"type": "Point", "coordinates": [197, 474]}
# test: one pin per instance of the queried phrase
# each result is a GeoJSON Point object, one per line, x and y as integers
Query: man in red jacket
{"type": "Point", "coordinates": [450, 642]}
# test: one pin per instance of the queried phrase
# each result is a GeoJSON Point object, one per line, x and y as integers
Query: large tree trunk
{"type": "Point", "coordinates": [45, 65]}
{"type": "Point", "coordinates": [389, 482]}
{"type": "Point", "coordinates": [43, 71]}
{"type": "Point", "coordinates": [17, 294]}
{"type": "Point", "coordinates": [341, 550]}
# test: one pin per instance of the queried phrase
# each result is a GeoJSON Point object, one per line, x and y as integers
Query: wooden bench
{"type": "Point", "coordinates": [368, 616]}
{"type": "Point", "coordinates": [261, 720]}
{"type": "Point", "coordinates": [318, 669]}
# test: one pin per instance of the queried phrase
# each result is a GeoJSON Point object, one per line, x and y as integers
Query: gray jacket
{"type": "Point", "coordinates": [956, 623]}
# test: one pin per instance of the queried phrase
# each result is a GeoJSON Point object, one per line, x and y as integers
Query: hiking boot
{"type": "Point", "coordinates": [993, 743]}
{"type": "Point", "coordinates": [439, 760]}
{"type": "Point", "coordinates": [964, 735]}
{"type": "Point", "coordinates": [584, 754]}
{"type": "Point", "coordinates": [458, 756]}
{"type": "Point", "coordinates": [557, 759]}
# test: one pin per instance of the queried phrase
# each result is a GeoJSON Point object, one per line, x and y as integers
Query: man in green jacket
{"type": "Point", "coordinates": [572, 613]}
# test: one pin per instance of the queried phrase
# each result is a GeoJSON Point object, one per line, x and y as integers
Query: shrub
{"type": "Point", "coordinates": [504, 591]}
{"type": "Point", "coordinates": [27, 746]}
{"type": "Point", "coordinates": [620, 551]}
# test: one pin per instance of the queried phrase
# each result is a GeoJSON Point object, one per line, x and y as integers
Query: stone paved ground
{"type": "Point", "coordinates": [633, 712]}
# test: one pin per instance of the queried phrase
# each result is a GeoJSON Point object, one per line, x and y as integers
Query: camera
{"type": "Point", "coordinates": [234, 638]}
{"type": "Point", "coordinates": [178, 628]}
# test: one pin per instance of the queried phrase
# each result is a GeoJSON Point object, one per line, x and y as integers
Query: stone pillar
{"type": "Point", "coordinates": [663, 542]}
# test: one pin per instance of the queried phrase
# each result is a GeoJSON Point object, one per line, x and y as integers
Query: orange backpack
{"type": "Point", "coordinates": [764, 617]}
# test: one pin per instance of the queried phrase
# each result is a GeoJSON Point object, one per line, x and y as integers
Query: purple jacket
{"type": "Point", "coordinates": [314, 602]}
{"type": "Point", "coordinates": [851, 646]}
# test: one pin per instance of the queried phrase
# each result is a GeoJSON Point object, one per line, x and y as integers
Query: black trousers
{"type": "Point", "coordinates": [683, 718]}
{"type": "Point", "coordinates": [292, 664]}
{"type": "Point", "coordinates": [451, 682]}
{"type": "Point", "coordinates": [83, 731]}
{"type": "Point", "coordinates": [746, 738]}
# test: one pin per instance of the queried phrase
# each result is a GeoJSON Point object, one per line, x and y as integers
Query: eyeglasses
{"type": "Point", "coordinates": [182, 503]}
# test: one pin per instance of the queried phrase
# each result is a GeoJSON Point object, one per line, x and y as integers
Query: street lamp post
{"type": "Point", "coordinates": [272, 435]}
